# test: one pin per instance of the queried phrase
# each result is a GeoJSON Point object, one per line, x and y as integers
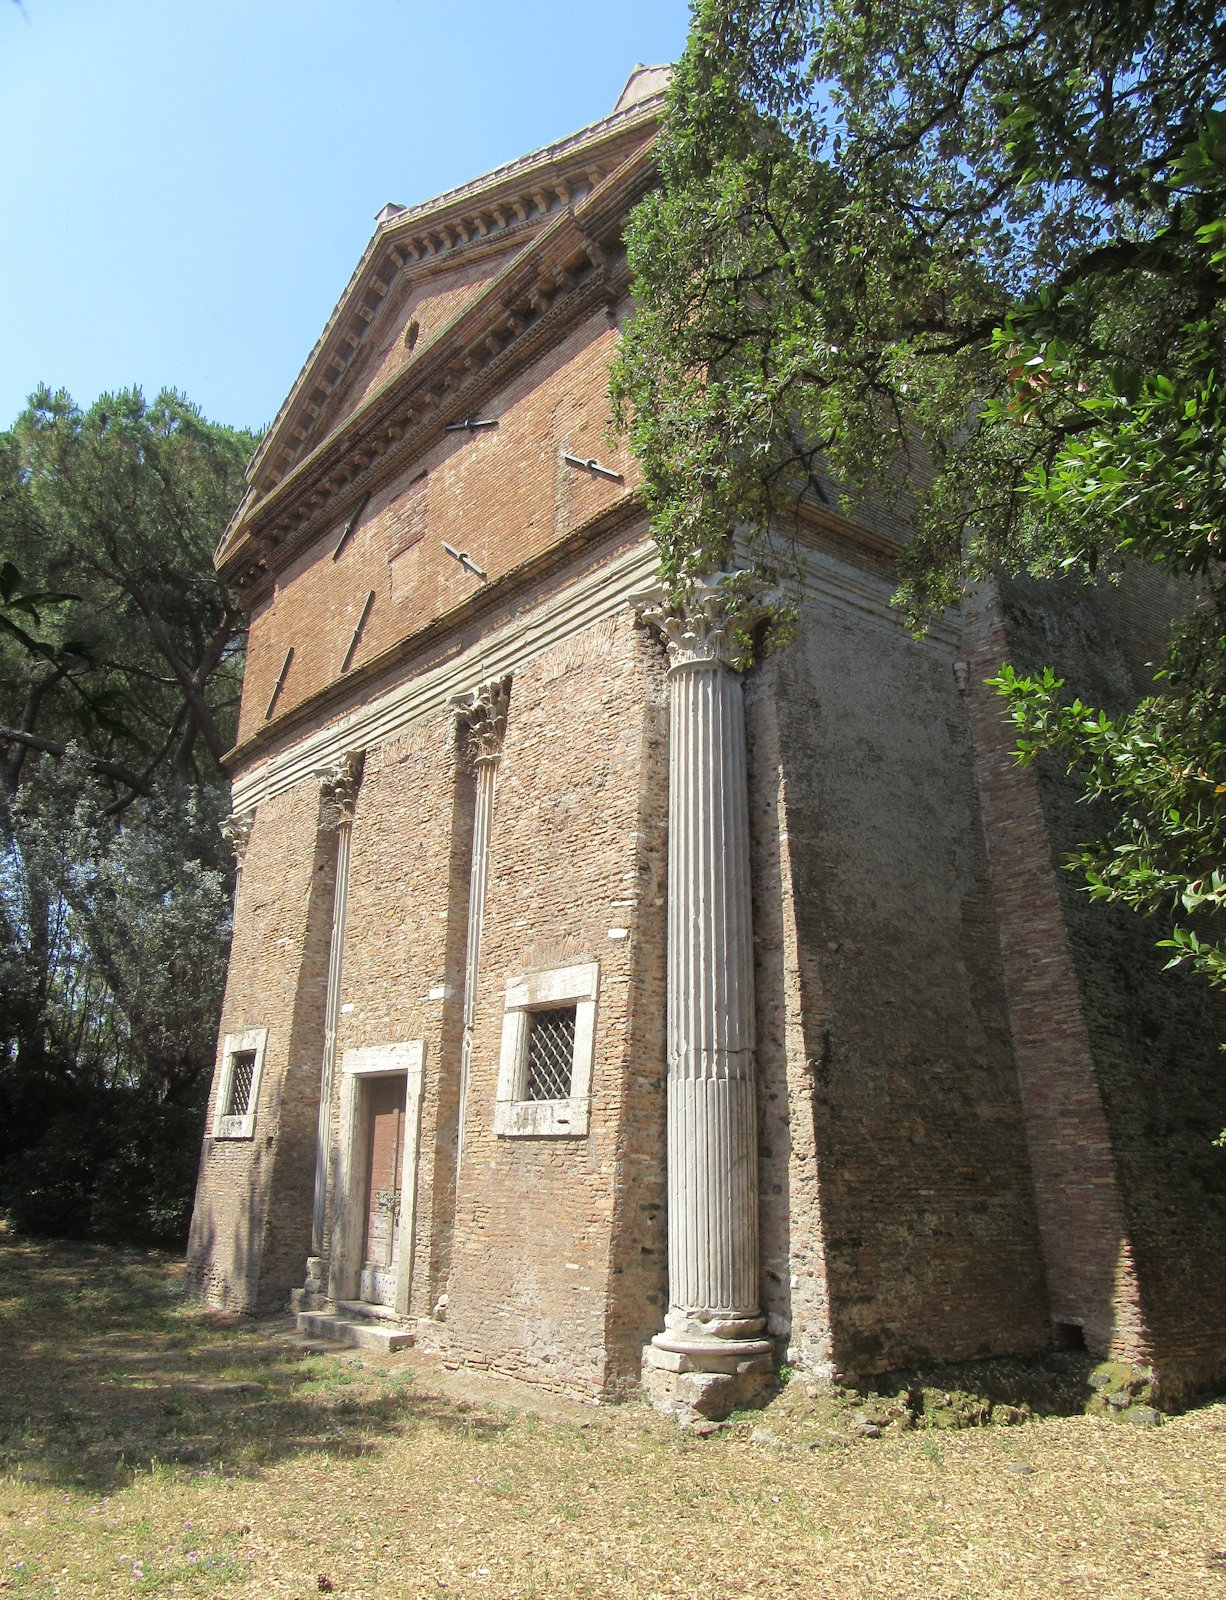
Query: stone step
{"type": "Point", "coordinates": [366, 1311]}
{"type": "Point", "coordinates": [357, 1332]}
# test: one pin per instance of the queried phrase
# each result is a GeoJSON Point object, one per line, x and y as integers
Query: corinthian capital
{"type": "Point", "coordinates": [338, 789]}
{"type": "Point", "coordinates": [698, 618]}
{"type": "Point", "coordinates": [236, 831]}
{"type": "Point", "coordinates": [481, 719]}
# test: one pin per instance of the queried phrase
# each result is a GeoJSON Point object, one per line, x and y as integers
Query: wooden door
{"type": "Point", "coordinates": [385, 1101]}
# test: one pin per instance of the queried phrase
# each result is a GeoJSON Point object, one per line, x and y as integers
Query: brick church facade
{"type": "Point", "coordinates": [601, 1013]}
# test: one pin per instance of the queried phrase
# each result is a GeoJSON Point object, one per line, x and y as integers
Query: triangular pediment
{"type": "Point", "coordinates": [416, 311]}
{"type": "Point", "coordinates": [423, 265]}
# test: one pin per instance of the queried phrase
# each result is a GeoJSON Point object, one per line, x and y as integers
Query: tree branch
{"type": "Point", "coordinates": [51, 747]}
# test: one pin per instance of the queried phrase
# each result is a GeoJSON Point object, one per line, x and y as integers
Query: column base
{"type": "Point", "coordinates": [731, 1356]}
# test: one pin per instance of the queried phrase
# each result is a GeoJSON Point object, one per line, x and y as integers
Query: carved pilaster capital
{"type": "Point", "coordinates": [338, 789]}
{"type": "Point", "coordinates": [236, 831]}
{"type": "Point", "coordinates": [699, 618]}
{"type": "Point", "coordinates": [481, 720]}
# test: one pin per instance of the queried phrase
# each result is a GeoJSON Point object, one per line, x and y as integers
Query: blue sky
{"type": "Point", "coordinates": [187, 184]}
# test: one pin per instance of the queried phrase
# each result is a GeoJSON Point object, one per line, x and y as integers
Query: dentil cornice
{"type": "Point", "coordinates": [568, 268]}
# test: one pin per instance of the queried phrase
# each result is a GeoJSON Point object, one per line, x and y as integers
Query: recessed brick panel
{"type": "Point", "coordinates": [894, 1162]}
{"type": "Point", "coordinates": [559, 1267]}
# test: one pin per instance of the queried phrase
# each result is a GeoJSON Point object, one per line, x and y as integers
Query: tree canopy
{"type": "Point", "coordinates": [969, 256]}
{"type": "Point", "coordinates": [121, 657]}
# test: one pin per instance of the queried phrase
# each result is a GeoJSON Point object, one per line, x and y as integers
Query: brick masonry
{"type": "Point", "coordinates": [407, 908]}
{"type": "Point", "coordinates": [502, 495]}
{"type": "Point", "coordinates": [569, 1286]}
{"type": "Point", "coordinates": [252, 1218]}
{"type": "Point", "coordinates": [899, 1138]}
{"type": "Point", "coordinates": [981, 1108]}
{"type": "Point", "coordinates": [1118, 1061]}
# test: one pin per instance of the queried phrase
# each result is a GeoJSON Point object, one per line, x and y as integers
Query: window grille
{"type": "Point", "coordinates": [551, 1053]}
{"type": "Point", "coordinates": [242, 1071]}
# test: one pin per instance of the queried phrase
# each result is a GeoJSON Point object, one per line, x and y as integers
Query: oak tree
{"type": "Point", "coordinates": [970, 253]}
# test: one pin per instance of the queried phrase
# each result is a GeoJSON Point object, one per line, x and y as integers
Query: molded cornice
{"type": "Point", "coordinates": [614, 524]}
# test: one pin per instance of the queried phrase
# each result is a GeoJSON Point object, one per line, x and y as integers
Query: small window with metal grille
{"type": "Point", "coordinates": [551, 1053]}
{"type": "Point", "coordinates": [548, 1051]}
{"type": "Point", "coordinates": [242, 1072]}
{"type": "Point", "coordinates": [238, 1092]}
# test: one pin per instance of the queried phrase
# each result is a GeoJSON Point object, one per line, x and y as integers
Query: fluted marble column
{"type": "Point", "coordinates": [714, 1323]}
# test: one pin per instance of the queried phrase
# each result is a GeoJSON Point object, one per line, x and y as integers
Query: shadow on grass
{"type": "Point", "coordinates": [106, 1373]}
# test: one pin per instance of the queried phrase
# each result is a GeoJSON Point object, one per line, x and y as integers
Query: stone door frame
{"type": "Point", "coordinates": [350, 1200]}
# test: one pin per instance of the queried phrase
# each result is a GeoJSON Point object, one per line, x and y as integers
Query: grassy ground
{"type": "Point", "coordinates": [148, 1448]}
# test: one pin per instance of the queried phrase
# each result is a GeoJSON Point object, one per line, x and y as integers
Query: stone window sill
{"type": "Point", "coordinates": [542, 1119]}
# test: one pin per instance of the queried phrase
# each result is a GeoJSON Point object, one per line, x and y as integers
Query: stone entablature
{"type": "Point", "coordinates": [568, 611]}
{"type": "Point", "coordinates": [501, 651]}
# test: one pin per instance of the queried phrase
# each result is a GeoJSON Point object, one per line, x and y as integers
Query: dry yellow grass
{"type": "Point", "coordinates": [146, 1449]}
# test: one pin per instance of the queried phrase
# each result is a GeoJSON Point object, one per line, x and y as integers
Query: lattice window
{"type": "Point", "coordinates": [551, 1053]}
{"type": "Point", "coordinates": [548, 1050]}
{"type": "Point", "coordinates": [242, 1066]}
{"type": "Point", "coordinates": [242, 1073]}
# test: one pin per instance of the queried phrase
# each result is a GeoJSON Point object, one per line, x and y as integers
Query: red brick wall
{"type": "Point", "coordinates": [792, 1013]}
{"type": "Point", "coordinates": [901, 1157]}
{"type": "Point", "coordinates": [1080, 1212]}
{"type": "Point", "coordinates": [502, 494]}
{"type": "Point", "coordinates": [559, 1264]}
{"type": "Point", "coordinates": [404, 934]}
{"type": "Point", "coordinates": [1124, 1086]}
{"type": "Point", "coordinates": [251, 1227]}
{"type": "Point", "coordinates": [899, 1168]}
{"type": "Point", "coordinates": [962, 1066]}
{"type": "Point", "coordinates": [431, 305]}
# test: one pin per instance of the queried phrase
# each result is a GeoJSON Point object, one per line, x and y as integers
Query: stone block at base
{"type": "Point", "coordinates": [431, 1336]}
{"type": "Point", "coordinates": [308, 1299]}
{"type": "Point", "coordinates": [706, 1394]}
